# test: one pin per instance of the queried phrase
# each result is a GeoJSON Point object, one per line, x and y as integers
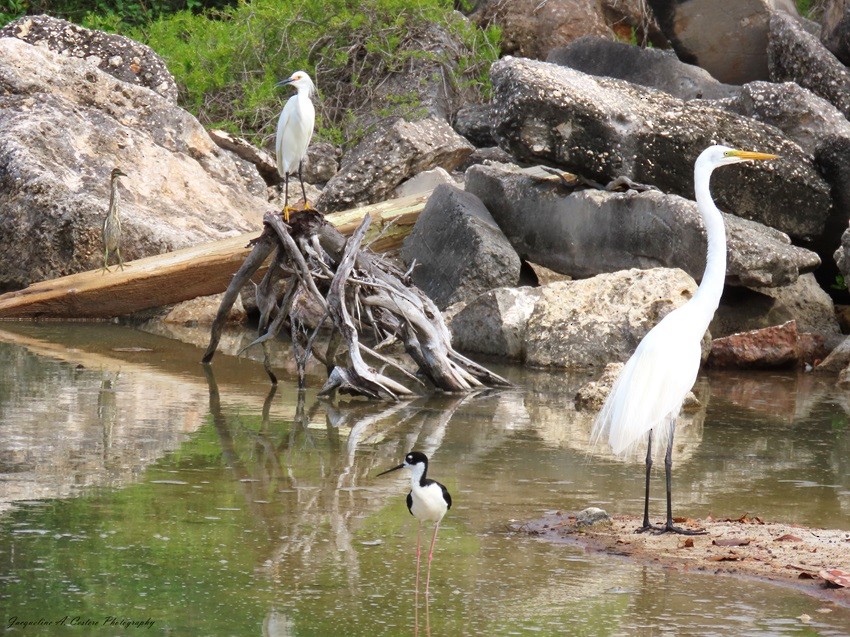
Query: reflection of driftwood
{"type": "Point", "coordinates": [362, 296]}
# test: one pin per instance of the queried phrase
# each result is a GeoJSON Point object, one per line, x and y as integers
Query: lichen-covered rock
{"type": "Point", "coordinates": [835, 29]}
{"type": "Point", "coordinates": [795, 55]}
{"type": "Point", "coordinates": [394, 152]}
{"type": "Point", "coordinates": [592, 231]}
{"type": "Point", "coordinates": [121, 57]}
{"type": "Point", "coordinates": [572, 324]}
{"type": "Point", "coordinates": [64, 124]}
{"type": "Point", "coordinates": [605, 128]}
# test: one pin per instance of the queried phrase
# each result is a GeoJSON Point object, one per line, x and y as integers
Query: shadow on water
{"type": "Point", "coordinates": [141, 485]}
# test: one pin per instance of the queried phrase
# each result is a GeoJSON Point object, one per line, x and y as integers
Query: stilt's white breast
{"type": "Point", "coordinates": [427, 503]}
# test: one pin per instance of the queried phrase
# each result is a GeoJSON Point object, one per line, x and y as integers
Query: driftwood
{"type": "Point", "coordinates": [184, 274]}
{"type": "Point", "coordinates": [363, 297]}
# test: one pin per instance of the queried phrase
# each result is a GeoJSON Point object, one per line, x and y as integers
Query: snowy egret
{"type": "Point", "coordinates": [112, 223]}
{"type": "Point", "coordinates": [647, 395]}
{"type": "Point", "coordinates": [427, 501]}
{"type": "Point", "coordinates": [294, 131]}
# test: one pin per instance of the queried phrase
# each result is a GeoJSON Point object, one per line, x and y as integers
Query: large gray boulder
{"type": "Point", "coordinates": [121, 57]}
{"type": "Point", "coordinates": [842, 256]}
{"type": "Point", "coordinates": [727, 39]}
{"type": "Point", "coordinates": [795, 55]}
{"type": "Point", "coordinates": [810, 121]}
{"type": "Point", "coordinates": [605, 128]}
{"type": "Point", "coordinates": [458, 248]}
{"type": "Point", "coordinates": [64, 124]}
{"type": "Point", "coordinates": [835, 29]}
{"type": "Point", "coordinates": [654, 68]}
{"type": "Point", "coordinates": [571, 324]}
{"type": "Point", "coordinates": [396, 151]}
{"type": "Point", "coordinates": [591, 231]}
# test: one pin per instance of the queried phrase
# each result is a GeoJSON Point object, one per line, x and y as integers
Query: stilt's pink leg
{"type": "Point", "coordinates": [418, 559]}
{"type": "Point", "coordinates": [430, 557]}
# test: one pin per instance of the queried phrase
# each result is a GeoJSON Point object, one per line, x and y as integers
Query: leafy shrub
{"type": "Point", "coordinates": [227, 62]}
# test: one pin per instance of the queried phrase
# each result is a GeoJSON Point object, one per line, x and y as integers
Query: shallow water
{"type": "Point", "coordinates": [137, 487]}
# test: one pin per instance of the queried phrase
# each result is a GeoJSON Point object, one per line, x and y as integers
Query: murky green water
{"type": "Point", "coordinates": [138, 488]}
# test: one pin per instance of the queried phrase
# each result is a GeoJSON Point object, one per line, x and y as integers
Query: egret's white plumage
{"type": "Point", "coordinates": [648, 394]}
{"type": "Point", "coordinates": [294, 131]}
{"type": "Point", "coordinates": [427, 501]}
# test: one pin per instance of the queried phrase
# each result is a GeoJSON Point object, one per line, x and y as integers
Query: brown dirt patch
{"type": "Point", "coordinates": [782, 553]}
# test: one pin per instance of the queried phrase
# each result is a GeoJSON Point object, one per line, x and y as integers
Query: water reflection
{"type": "Point", "coordinates": [219, 505]}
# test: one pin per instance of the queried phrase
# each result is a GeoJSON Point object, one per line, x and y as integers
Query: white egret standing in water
{"type": "Point", "coordinates": [648, 394]}
{"type": "Point", "coordinates": [294, 131]}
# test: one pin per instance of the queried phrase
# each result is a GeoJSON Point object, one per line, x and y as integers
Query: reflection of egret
{"type": "Point", "coordinates": [294, 131]}
{"type": "Point", "coordinates": [428, 501]}
{"type": "Point", "coordinates": [648, 394]}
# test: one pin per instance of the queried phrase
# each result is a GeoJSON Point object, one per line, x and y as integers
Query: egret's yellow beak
{"type": "Point", "coordinates": [748, 154]}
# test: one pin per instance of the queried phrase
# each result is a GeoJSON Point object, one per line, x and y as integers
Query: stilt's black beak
{"type": "Point", "coordinates": [401, 466]}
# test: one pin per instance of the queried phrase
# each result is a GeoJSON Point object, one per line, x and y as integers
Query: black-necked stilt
{"type": "Point", "coordinates": [427, 501]}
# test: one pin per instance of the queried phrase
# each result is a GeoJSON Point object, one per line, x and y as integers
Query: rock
{"type": "Point", "coordinates": [322, 163]}
{"type": "Point", "coordinates": [605, 128]}
{"type": "Point", "coordinates": [767, 348]}
{"type": "Point", "coordinates": [64, 125]}
{"type": "Point", "coordinates": [459, 250]}
{"type": "Point", "coordinates": [729, 40]}
{"type": "Point", "coordinates": [394, 152]}
{"type": "Point", "coordinates": [837, 360]}
{"type": "Point", "coordinates": [202, 311]}
{"type": "Point", "coordinates": [424, 182]}
{"type": "Point", "coordinates": [561, 231]}
{"type": "Point", "coordinates": [842, 256]}
{"type": "Point", "coordinates": [494, 323]}
{"type": "Point", "coordinates": [531, 28]}
{"type": "Point", "coordinates": [807, 119]}
{"type": "Point", "coordinates": [591, 396]}
{"type": "Point", "coordinates": [264, 161]}
{"type": "Point", "coordinates": [835, 33]}
{"type": "Point", "coordinates": [571, 324]}
{"type": "Point", "coordinates": [844, 378]}
{"type": "Point", "coordinates": [591, 516]}
{"type": "Point", "coordinates": [654, 68]}
{"type": "Point", "coordinates": [489, 155]}
{"type": "Point", "coordinates": [803, 301]}
{"type": "Point", "coordinates": [121, 57]}
{"type": "Point", "coordinates": [797, 56]}
{"type": "Point", "coordinates": [475, 122]}
{"type": "Point", "coordinates": [592, 322]}
{"type": "Point", "coordinates": [634, 20]}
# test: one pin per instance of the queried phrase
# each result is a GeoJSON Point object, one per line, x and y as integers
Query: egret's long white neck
{"type": "Point", "coordinates": [711, 287]}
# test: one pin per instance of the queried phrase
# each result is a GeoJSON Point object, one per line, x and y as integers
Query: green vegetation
{"type": "Point", "coordinates": [227, 55]}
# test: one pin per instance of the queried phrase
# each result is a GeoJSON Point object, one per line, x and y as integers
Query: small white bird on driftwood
{"type": "Point", "coordinates": [294, 131]}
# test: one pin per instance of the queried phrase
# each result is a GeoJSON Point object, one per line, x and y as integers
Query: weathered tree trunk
{"type": "Point", "coordinates": [364, 297]}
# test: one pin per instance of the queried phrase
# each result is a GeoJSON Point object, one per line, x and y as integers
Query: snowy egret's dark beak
{"type": "Point", "coordinates": [401, 466]}
{"type": "Point", "coordinates": [284, 82]}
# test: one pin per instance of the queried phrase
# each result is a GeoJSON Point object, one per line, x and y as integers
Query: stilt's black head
{"type": "Point", "coordinates": [411, 459]}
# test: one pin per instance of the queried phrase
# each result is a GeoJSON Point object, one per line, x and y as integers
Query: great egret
{"type": "Point", "coordinates": [428, 501]}
{"type": "Point", "coordinates": [112, 223]}
{"type": "Point", "coordinates": [647, 395]}
{"type": "Point", "coordinates": [294, 131]}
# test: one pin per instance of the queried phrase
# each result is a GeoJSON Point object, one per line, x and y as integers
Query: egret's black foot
{"type": "Point", "coordinates": [672, 528]}
{"type": "Point", "coordinates": [650, 528]}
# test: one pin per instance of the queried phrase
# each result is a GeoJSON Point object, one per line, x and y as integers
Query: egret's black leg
{"type": "Point", "coordinates": [301, 179]}
{"type": "Point", "coordinates": [668, 470]}
{"type": "Point", "coordinates": [646, 525]}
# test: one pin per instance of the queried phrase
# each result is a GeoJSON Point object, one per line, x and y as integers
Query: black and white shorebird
{"type": "Point", "coordinates": [428, 501]}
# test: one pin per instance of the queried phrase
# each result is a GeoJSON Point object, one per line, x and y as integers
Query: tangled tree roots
{"type": "Point", "coordinates": [364, 297]}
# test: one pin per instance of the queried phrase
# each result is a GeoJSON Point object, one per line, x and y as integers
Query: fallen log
{"type": "Point", "coordinates": [185, 274]}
